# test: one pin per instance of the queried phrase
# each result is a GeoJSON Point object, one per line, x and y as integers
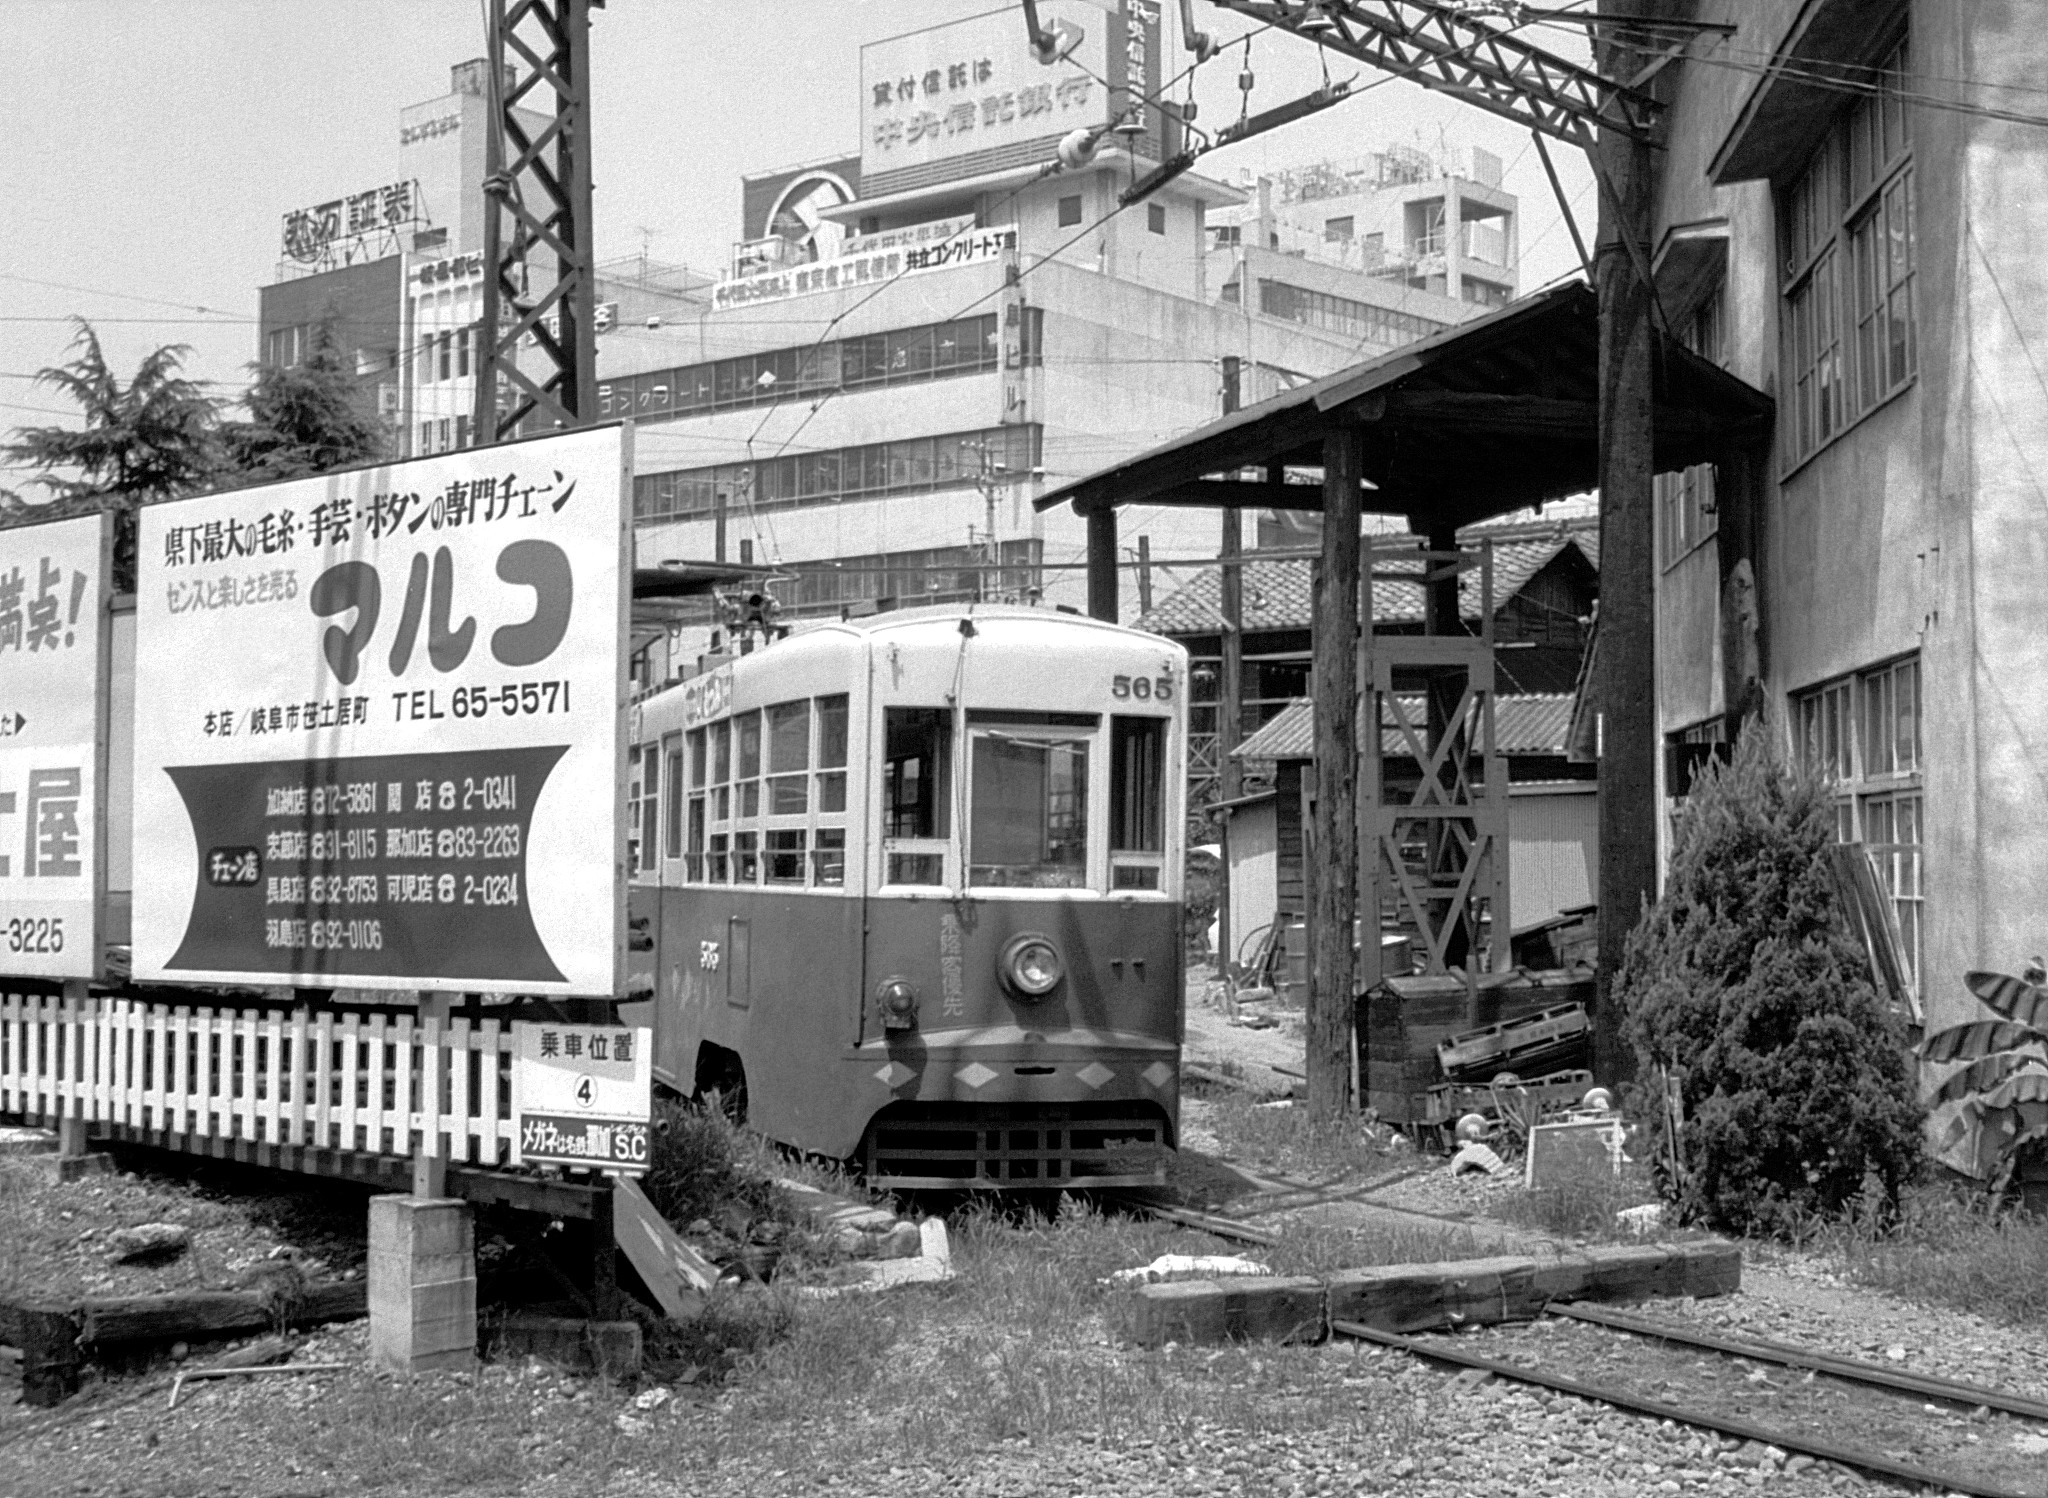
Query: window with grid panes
{"type": "Point", "coordinates": [1846, 228]}
{"type": "Point", "coordinates": [1863, 732]}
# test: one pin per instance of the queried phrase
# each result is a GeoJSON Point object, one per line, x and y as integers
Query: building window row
{"type": "Point", "coordinates": [1846, 226]}
{"type": "Point", "coordinates": [1336, 314]}
{"type": "Point", "coordinates": [443, 435]}
{"type": "Point", "coordinates": [914, 465]}
{"type": "Point", "coordinates": [933, 351]}
{"type": "Point", "coordinates": [1862, 732]}
{"type": "Point", "coordinates": [948, 574]}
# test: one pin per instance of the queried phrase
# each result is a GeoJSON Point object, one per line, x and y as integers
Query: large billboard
{"type": "Point", "coordinates": [53, 671]}
{"type": "Point", "coordinates": [959, 94]}
{"type": "Point", "coordinates": [378, 726]}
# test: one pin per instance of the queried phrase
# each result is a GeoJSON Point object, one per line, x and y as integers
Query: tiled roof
{"type": "Point", "coordinates": [1278, 593]}
{"type": "Point", "coordinates": [1527, 723]}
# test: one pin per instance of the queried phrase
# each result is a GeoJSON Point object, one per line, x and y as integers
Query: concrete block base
{"type": "Point", "coordinates": [422, 1284]}
{"type": "Point", "coordinates": [61, 1168]}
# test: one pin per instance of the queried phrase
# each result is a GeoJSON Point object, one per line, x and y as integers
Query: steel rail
{"type": "Point", "coordinates": [1728, 1425]}
{"type": "Point", "coordinates": [1207, 1222]}
{"type": "Point", "coordinates": [1928, 1386]}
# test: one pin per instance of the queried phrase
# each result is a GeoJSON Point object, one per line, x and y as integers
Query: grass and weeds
{"type": "Point", "coordinates": [1950, 1247]}
{"type": "Point", "coordinates": [1018, 1347]}
{"type": "Point", "coordinates": [1580, 1200]}
{"type": "Point", "coordinates": [1283, 1139]}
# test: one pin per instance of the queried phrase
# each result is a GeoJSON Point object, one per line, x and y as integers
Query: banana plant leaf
{"type": "Point", "coordinates": [1984, 1037]}
{"type": "Point", "coordinates": [2025, 1003]}
{"type": "Point", "coordinates": [1984, 1074]}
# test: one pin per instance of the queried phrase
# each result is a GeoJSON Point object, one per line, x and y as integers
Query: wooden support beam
{"type": "Point", "coordinates": [1102, 565]}
{"type": "Point", "coordinates": [1333, 963]}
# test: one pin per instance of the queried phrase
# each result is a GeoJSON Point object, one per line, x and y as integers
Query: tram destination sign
{"type": "Point", "coordinates": [53, 672]}
{"type": "Point", "coordinates": [378, 732]}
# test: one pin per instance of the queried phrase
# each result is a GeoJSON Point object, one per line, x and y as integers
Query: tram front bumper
{"type": "Point", "coordinates": [1000, 1109]}
{"type": "Point", "coordinates": [1006, 1064]}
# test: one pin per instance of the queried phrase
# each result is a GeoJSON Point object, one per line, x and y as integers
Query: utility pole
{"type": "Point", "coordinates": [1627, 661]}
{"type": "Point", "coordinates": [537, 202]}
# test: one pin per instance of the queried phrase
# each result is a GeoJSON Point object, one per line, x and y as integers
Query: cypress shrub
{"type": "Point", "coordinates": [1798, 1088]}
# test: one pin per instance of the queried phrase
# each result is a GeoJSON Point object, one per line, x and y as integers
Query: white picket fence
{"type": "Point", "coordinates": [378, 1084]}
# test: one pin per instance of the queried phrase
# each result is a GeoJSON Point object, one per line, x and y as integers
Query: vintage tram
{"type": "Point", "coordinates": [910, 886]}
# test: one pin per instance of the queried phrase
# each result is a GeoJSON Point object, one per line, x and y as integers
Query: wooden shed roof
{"type": "Point", "coordinates": [1493, 415]}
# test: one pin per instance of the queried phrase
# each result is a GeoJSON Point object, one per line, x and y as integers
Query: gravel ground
{"type": "Point", "coordinates": [1449, 1438]}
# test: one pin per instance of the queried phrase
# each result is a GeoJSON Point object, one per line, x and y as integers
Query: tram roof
{"type": "Point", "coordinates": [1493, 415]}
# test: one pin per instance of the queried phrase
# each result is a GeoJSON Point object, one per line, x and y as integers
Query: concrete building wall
{"type": "Point", "coordinates": [1919, 528]}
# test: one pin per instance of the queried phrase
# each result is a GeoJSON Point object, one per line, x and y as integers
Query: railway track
{"type": "Point", "coordinates": [1879, 1420]}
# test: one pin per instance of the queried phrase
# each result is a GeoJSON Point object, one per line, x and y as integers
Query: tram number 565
{"type": "Point", "coordinates": [1143, 688]}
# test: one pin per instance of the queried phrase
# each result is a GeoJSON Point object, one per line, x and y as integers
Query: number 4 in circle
{"type": "Point", "coordinates": [586, 1091]}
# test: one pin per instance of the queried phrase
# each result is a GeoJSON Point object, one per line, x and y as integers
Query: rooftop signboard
{"type": "Point", "coordinates": [968, 97]}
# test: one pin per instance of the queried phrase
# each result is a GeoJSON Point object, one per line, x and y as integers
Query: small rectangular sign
{"type": "Point", "coordinates": [53, 646]}
{"type": "Point", "coordinates": [583, 1094]}
{"type": "Point", "coordinates": [378, 726]}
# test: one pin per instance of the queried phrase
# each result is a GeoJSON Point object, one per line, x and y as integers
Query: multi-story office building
{"type": "Point", "coordinates": [395, 272]}
{"type": "Point", "coordinates": [911, 341]}
{"type": "Point", "coordinates": [1437, 223]}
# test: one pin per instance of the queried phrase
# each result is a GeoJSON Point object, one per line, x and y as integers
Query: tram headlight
{"type": "Point", "coordinates": [897, 998]}
{"type": "Point", "coordinates": [1031, 966]}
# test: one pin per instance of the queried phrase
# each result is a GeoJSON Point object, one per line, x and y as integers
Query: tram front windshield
{"type": "Point", "coordinates": [1014, 806]}
{"type": "Point", "coordinates": [1030, 800]}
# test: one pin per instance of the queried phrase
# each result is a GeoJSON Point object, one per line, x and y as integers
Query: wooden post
{"type": "Point", "coordinates": [430, 1160]}
{"type": "Point", "coordinates": [1102, 564]}
{"type": "Point", "coordinates": [1333, 963]}
{"type": "Point", "coordinates": [1626, 689]}
{"type": "Point", "coordinates": [1144, 574]}
{"type": "Point", "coordinates": [1229, 716]}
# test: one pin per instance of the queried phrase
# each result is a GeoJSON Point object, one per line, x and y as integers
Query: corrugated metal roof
{"type": "Point", "coordinates": [1526, 723]}
{"type": "Point", "coordinates": [1278, 593]}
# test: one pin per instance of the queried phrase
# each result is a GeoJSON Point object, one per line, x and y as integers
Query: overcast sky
{"type": "Point", "coordinates": [154, 144]}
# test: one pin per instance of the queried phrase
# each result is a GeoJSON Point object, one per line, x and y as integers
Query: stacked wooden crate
{"type": "Point", "coordinates": [1403, 1021]}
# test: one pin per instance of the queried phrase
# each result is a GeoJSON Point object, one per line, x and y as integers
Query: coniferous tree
{"type": "Point", "coordinates": [304, 418]}
{"type": "Point", "coordinates": [151, 439]}
{"type": "Point", "coordinates": [1798, 1087]}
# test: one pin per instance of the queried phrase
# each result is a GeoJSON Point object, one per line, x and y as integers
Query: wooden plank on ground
{"type": "Point", "coordinates": [676, 1273]}
{"type": "Point", "coordinates": [109, 1320]}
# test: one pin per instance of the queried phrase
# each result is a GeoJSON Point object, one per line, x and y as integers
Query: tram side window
{"type": "Point", "coordinates": [672, 798]}
{"type": "Point", "coordinates": [789, 757]}
{"type": "Point", "coordinates": [747, 735]}
{"type": "Point", "coordinates": [832, 754]}
{"type": "Point", "coordinates": [717, 862]}
{"type": "Point", "coordinates": [1137, 799]}
{"type": "Point", "coordinates": [693, 852]}
{"type": "Point", "coordinates": [650, 806]}
{"type": "Point", "coordinates": [917, 775]}
{"type": "Point", "coordinates": [1030, 819]}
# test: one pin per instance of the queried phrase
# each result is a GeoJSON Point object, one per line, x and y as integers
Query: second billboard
{"type": "Point", "coordinates": [377, 736]}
